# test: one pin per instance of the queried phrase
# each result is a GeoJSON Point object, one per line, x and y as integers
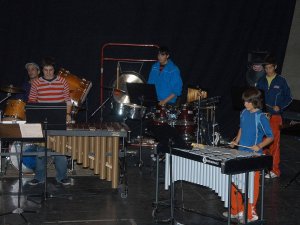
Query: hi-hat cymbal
{"type": "Point", "coordinates": [11, 89]}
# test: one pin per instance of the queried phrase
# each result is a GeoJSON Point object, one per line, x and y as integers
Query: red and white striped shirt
{"type": "Point", "coordinates": [50, 91]}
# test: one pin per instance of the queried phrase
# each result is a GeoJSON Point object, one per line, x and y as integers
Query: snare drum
{"type": "Point", "coordinates": [14, 110]}
{"type": "Point", "coordinates": [79, 87]}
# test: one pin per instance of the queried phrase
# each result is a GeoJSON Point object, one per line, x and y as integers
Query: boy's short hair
{"type": "Point", "coordinates": [48, 61]}
{"type": "Point", "coordinates": [254, 96]}
{"type": "Point", "coordinates": [164, 50]}
{"type": "Point", "coordinates": [270, 59]}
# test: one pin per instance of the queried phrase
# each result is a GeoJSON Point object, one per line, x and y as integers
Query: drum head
{"type": "Point", "coordinates": [29, 162]}
{"type": "Point", "coordinates": [126, 77]}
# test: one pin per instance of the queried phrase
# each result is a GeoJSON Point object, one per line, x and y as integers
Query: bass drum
{"type": "Point", "coordinates": [79, 87]}
{"type": "Point", "coordinates": [121, 102]}
{"type": "Point", "coordinates": [29, 162]}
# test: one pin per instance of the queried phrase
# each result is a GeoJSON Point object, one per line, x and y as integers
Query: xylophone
{"type": "Point", "coordinates": [215, 167]}
{"type": "Point", "coordinates": [95, 146]}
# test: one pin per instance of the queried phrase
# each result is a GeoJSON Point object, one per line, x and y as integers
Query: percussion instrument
{"type": "Point", "coordinates": [195, 94]}
{"type": "Point", "coordinates": [11, 89]}
{"type": "Point", "coordinates": [28, 163]}
{"type": "Point", "coordinates": [216, 167]}
{"type": "Point", "coordinates": [185, 123]}
{"type": "Point", "coordinates": [160, 115]}
{"type": "Point", "coordinates": [134, 111]}
{"type": "Point", "coordinates": [95, 146]}
{"type": "Point", "coordinates": [121, 104]}
{"type": "Point", "coordinates": [14, 110]}
{"type": "Point", "coordinates": [79, 87]}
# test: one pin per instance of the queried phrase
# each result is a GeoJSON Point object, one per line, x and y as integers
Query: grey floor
{"type": "Point", "coordinates": [90, 200]}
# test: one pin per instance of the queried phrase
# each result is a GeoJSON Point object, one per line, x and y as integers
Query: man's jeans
{"type": "Point", "coordinates": [60, 164]}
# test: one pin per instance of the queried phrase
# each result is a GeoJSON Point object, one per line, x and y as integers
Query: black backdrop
{"type": "Point", "coordinates": [209, 39]}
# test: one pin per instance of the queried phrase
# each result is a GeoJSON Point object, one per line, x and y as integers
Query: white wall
{"type": "Point", "coordinates": [291, 65]}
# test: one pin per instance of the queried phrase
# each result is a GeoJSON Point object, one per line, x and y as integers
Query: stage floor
{"type": "Point", "coordinates": [90, 200]}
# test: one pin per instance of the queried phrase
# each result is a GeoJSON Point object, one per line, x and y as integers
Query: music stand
{"type": "Point", "coordinates": [53, 117]}
{"type": "Point", "coordinates": [22, 133]}
{"type": "Point", "coordinates": [52, 113]}
{"type": "Point", "coordinates": [143, 95]}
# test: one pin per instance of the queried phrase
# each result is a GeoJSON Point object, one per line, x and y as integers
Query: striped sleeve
{"type": "Point", "coordinates": [33, 91]}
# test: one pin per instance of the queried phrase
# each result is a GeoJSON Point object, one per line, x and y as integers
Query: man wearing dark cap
{"type": "Point", "coordinates": [33, 71]}
{"type": "Point", "coordinates": [277, 98]}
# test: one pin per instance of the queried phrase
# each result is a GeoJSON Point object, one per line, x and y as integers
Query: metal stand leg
{"type": "Point", "coordinates": [19, 210]}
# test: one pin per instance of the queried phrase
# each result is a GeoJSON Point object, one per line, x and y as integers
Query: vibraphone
{"type": "Point", "coordinates": [95, 146]}
{"type": "Point", "coordinates": [216, 168]}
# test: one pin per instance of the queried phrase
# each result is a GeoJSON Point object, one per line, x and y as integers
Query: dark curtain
{"type": "Point", "coordinates": [209, 39]}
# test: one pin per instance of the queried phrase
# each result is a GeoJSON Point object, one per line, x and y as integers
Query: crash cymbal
{"type": "Point", "coordinates": [11, 89]}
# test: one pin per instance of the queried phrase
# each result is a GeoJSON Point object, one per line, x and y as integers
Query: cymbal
{"type": "Point", "coordinates": [11, 89]}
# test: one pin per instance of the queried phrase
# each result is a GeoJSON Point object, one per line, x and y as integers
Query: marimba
{"type": "Point", "coordinates": [95, 146]}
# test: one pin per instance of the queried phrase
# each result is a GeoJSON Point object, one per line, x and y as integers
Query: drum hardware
{"type": "Point", "coordinates": [19, 210]}
{"type": "Point", "coordinates": [7, 96]}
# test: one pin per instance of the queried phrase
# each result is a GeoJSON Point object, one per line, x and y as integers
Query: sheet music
{"type": "Point", "coordinates": [31, 130]}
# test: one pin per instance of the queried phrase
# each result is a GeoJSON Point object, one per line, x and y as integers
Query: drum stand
{"type": "Point", "coordinates": [19, 210]}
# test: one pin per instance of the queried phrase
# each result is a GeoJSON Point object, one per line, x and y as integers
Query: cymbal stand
{"type": "Point", "coordinates": [20, 210]}
{"type": "Point", "coordinates": [140, 163]}
{"type": "Point", "coordinates": [101, 107]}
{"type": "Point", "coordinates": [7, 96]}
{"type": "Point", "coordinates": [199, 122]}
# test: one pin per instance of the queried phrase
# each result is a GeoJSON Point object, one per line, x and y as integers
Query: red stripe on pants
{"type": "Point", "coordinates": [274, 148]}
{"type": "Point", "coordinates": [237, 200]}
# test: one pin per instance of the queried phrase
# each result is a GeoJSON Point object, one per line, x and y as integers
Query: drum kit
{"type": "Point", "coordinates": [195, 120]}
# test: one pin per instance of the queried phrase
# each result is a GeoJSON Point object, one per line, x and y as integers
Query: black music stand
{"type": "Point", "coordinates": [16, 132]}
{"type": "Point", "coordinates": [145, 96]}
{"type": "Point", "coordinates": [53, 117]}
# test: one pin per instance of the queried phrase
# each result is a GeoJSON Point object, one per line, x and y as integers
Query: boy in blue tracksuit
{"type": "Point", "coordinates": [277, 98]}
{"type": "Point", "coordinates": [255, 133]}
{"type": "Point", "coordinates": [165, 75]}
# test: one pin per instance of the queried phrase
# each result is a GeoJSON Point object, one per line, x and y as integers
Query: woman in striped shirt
{"type": "Point", "coordinates": [50, 89]}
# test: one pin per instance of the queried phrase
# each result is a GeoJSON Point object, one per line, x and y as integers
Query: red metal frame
{"type": "Point", "coordinates": [103, 58]}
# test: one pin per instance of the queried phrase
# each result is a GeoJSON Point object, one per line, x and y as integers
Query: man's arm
{"type": "Point", "coordinates": [166, 100]}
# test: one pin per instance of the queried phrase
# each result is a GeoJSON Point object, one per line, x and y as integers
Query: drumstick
{"type": "Point", "coordinates": [244, 146]}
